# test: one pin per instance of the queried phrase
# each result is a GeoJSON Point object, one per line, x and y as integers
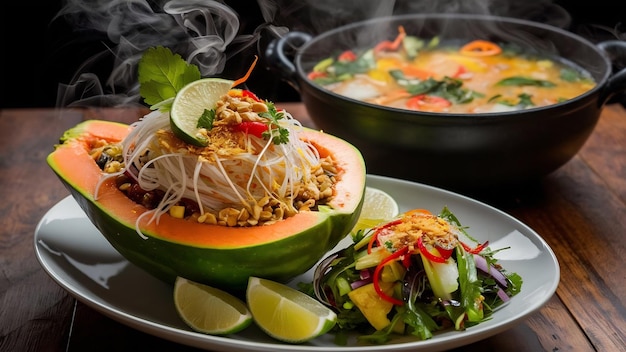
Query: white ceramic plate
{"type": "Point", "coordinates": [74, 253]}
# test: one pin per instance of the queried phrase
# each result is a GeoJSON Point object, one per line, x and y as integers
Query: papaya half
{"type": "Point", "coordinates": [216, 255]}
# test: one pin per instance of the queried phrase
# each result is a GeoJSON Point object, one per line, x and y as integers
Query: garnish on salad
{"type": "Point", "coordinates": [213, 153]}
{"type": "Point", "coordinates": [416, 274]}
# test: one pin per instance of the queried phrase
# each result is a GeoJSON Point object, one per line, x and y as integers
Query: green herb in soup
{"type": "Point", "coordinates": [478, 77]}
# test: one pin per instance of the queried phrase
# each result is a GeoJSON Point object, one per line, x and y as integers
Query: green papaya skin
{"type": "Point", "coordinates": [168, 253]}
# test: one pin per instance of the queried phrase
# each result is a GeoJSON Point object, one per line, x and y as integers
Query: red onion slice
{"type": "Point", "coordinates": [481, 263]}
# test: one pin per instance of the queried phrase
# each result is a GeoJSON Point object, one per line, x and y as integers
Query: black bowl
{"type": "Point", "coordinates": [458, 151]}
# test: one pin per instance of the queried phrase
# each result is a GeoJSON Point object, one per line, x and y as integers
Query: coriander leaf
{"type": "Point", "coordinates": [154, 93]}
{"type": "Point", "coordinates": [279, 135]}
{"type": "Point", "coordinates": [162, 74]}
{"type": "Point", "coordinates": [524, 81]}
{"type": "Point", "coordinates": [206, 119]}
{"type": "Point", "coordinates": [447, 88]}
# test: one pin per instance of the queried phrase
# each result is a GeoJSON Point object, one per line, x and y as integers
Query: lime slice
{"type": "Point", "coordinates": [378, 207]}
{"type": "Point", "coordinates": [191, 102]}
{"type": "Point", "coordinates": [287, 314]}
{"type": "Point", "coordinates": [209, 310]}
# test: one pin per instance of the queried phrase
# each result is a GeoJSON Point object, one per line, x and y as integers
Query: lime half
{"type": "Point", "coordinates": [285, 313]}
{"type": "Point", "coordinates": [209, 310]}
{"type": "Point", "coordinates": [191, 102]}
{"type": "Point", "coordinates": [378, 207]}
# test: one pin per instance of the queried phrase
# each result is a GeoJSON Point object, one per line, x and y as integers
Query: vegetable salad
{"type": "Point", "coordinates": [414, 275]}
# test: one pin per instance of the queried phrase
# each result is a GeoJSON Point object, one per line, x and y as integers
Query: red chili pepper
{"type": "Point", "coordinates": [378, 230]}
{"type": "Point", "coordinates": [461, 70]}
{"type": "Point", "coordinates": [406, 261]}
{"type": "Point", "coordinates": [347, 56]}
{"type": "Point", "coordinates": [249, 94]}
{"type": "Point", "coordinates": [425, 252]}
{"type": "Point", "coordinates": [254, 128]}
{"type": "Point", "coordinates": [476, 249]}
{"type": "Point", "coordinates": [391, 46]}
{"type": "Point", "coordinates": [427, 103]}
{"type": "Point", "coordinates": [445, 252]}
{"type": "Point", "coordinates": [395, 255]}
{"type": "Point", "coordinates": [314, 75]}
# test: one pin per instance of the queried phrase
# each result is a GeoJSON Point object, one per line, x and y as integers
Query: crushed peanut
{"type": "Point", "coordinates": [226, 141]}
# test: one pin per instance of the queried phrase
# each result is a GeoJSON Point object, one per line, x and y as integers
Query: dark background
{"type": "Point", "coordinates": [38, 53]}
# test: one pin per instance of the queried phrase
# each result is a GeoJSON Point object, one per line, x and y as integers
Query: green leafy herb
{"type": "Point", "coordinates": [337, 71]}
{"type": "Point", "coordinates": [525, 100]}
{"type": "Point", "coordinates": [571, 75]}
{"type": "Point", "coordinates": [206, 119]}
{"type": "Point", "coordinates": [525, 81]}
{"type": "Point", "coordinates": [470, 286]}
{"type": "Point", "coordinates": [162, 74]}
{"type": "Point", "coordinates": [279, 135]}
{"type": "Point", "coordinates": [448, 88]}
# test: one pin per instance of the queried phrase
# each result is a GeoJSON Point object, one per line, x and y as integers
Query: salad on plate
{"type": "Point", "coordinates": [415, 274]}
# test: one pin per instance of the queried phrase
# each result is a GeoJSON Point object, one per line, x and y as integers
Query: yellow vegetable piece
{"type": "Point", "coordinates": [387, 64]}
{"type": "Point", "coordinates": [373, 307]}
{"type": "Point", "coordinates": [379, 75]}
{"type": "Point", "coordinates": [392, 272]}
{"type": "Point", "coordinates": [177, 211]}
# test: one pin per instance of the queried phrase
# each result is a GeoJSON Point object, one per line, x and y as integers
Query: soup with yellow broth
{"type": "Point", "coordinates": [475, 77]}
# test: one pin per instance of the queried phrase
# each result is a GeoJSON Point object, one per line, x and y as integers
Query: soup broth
{"type": "Point", "coordinates": [475, 77]}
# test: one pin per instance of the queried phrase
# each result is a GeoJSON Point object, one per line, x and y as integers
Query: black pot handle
{"type": "Point", "coordinates": [280, 54]}
{"type": "Point", "coordinates": [616, 52]}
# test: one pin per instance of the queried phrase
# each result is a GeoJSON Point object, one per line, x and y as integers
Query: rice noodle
{"type": "Point", "coordinates": [216, 178]}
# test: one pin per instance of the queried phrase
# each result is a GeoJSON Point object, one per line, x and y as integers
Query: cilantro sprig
{"type": "Point", "coordinates": [279, 135]}
{"type": "Point", "coordinates": [161, 75]}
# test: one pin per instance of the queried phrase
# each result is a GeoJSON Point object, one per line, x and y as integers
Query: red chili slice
{"type": "Point", "coordinates": [476, 249]}
{"type": "Point", "coordinates": [254, 128]}
{"type": "Point", "coordinates": [425, 252]}
{"type": "Point", "coordinates": [445, 252]}
{"type": "Point", "coordinates": [391, 46]}
{"type": "Point", "coordinates": [395, 255]}
{"type": "Point", "coordinates": [461, 70]}
{"type": "Point", "coordinates": [427, 103]}
{"type": "Point", "coordinates": [249, 94]}
{"type": "Point", "coordinates": [314, 75]}
{"type": "Point", "coordinates": [378, 230]}
{"type": "Point", "coordinates": [347, 56]}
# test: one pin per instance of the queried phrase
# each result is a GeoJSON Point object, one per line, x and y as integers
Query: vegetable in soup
{"type": "Point", "coordinates": [475, 77]}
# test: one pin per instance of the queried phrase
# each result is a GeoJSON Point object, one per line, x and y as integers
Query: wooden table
{"type": "Point", "coordinates": [580, 210]}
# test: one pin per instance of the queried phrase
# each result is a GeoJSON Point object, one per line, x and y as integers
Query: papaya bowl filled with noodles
{"type": "Point", "coordinates": [263, 196]}
{"type": "Point", "coordinates": [469, 101]}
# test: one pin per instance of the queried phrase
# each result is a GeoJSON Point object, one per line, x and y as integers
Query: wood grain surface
{"type": "Point", "coordinates": [580, 210]}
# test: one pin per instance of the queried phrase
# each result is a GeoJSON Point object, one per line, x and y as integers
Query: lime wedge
{"type": "Point", "coordinates": [378, 207]}
{"type": "Point", "coordinates": [191, 102]}
{"type": "Point", "coordinates": [209, 310]}
{"type": "Point", "coordinates": [287, 314]}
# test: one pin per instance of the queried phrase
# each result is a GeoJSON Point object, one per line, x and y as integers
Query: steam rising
{"type": "Point", "coordinates": [207, 33]}
{"type": "Point", "coordinates": [203, 32]}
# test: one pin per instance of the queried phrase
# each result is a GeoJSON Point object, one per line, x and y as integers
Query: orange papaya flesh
{"type": "Point", "coordinates": [216, 255]}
